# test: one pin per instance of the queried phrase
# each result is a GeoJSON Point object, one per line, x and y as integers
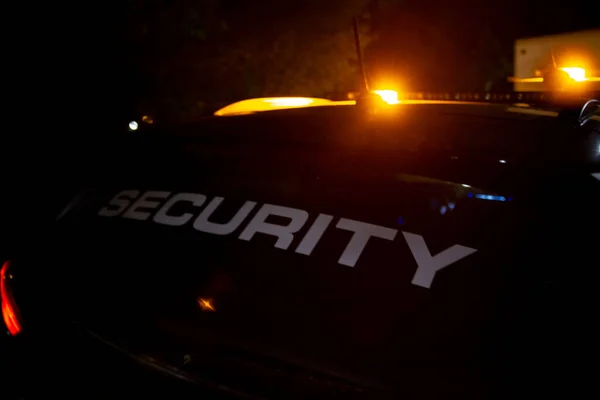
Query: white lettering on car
{"type": "Point", "coordinates": [162, 217]}
{"type": "Point", "coordinates": [284, 234]}
{"type": "Point", "coordinates": [314, 234]}
{"type": "Point", "coordinates": [427, 264]}
{"type": "Point", "coordinates": [121, 201]}
{"type": "Point", "coordinates": [145, 202]}
{"type": "Point", "coordinates": [203, 224]}
{"type": "Point", "coordinates": [362, 234]}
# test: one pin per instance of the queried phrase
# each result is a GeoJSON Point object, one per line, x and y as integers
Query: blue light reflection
{"type": "Point", "coordinates": [490, 197]}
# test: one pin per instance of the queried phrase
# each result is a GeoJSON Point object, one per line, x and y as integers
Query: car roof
{"type": "Point", "coordinates": [495, 131]}
{"type": "Point", "coordinates": [515, 111]}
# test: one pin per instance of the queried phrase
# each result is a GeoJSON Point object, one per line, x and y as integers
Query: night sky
{"type": "Point", "coordinates": [161, 55]}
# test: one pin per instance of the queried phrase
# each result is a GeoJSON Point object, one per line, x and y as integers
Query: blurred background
{"type": "Point", "coordinates": [179, 58]}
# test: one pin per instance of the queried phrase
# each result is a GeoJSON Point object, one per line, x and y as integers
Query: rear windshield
{"type": "Point", "coordinates": [476, 131]}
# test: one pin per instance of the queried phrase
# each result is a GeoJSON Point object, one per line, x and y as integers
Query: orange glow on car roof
{"type": "Point", "coordinates": [271, 103]}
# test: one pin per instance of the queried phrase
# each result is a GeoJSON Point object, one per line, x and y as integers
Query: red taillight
{"type": "Point", "coordinates": [9, 308]}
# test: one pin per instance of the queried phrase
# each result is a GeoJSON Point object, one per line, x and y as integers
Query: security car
{"type": "Point", "coordinates": [419, 248]}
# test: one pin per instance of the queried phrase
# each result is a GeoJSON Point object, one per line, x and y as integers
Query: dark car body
{"type": "Point", "coordinates": [429, 251]}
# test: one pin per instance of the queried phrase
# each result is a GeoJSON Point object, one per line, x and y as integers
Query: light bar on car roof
{"type": "Point", "coordinates": [390, 97]}
{"type": "Point", "coordinates": [393, 97]}
{"type": "Point", "coordinates": [251, 106]}
{"type": "Point", "coordinates": [491, 97]}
